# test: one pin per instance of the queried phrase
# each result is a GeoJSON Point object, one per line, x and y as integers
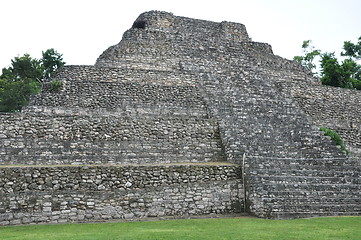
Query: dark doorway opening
{"type": "Point", "coordinates": [139, 24]}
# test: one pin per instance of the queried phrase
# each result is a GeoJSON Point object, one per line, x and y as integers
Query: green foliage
{"type": "Point", "coordinates": [346, 74]}
{"type": "Point", "coordinates": [351, 49]}
{"type": "Point", "coordinates": [51, 62]}
{"type": "Point", "coordinates": [23, 79]}
{"type": "Point", "coordinates": [15, 95]}
{"type": "Point", "coordinates": [18, 82]}
{"type": "Point", "coordinates": [335, 137]}
{"type": "Point", "coordinates": [310, 53]}
{"type": "Point", "coordinates": [340, 228]}
{"type": "Point", "coordinates": [22, 68]}
{"type": "Point", "coordinates": [331, 71]}
{"type": "Point", "coordinates": [56, 85]}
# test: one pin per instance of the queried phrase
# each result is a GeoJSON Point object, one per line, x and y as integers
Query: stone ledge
{"type": "Point", "coordinates": [124, 165]}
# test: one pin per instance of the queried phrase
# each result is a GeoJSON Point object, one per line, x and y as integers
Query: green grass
{"type": "Point", "coordinates": [221, 228]}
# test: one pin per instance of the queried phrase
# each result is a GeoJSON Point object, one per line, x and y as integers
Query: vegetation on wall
{"type": "Point", "coordinates": [346, 74]}
{"type": "Point", "coordinates": [56, 85]}
{"type": "Point", "coordinates": [24, 77]}
{"type": "Point", "coordinates": [335, 137]}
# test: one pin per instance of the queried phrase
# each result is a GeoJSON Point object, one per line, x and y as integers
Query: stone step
{"type": "Point", "coordinates": [308, 195]}
{"type": "Point", "coordinates": [318, 189]}
{"type": "Point", "coordinates": [331, 208]}
{"type": "Point", "coordinates": [271, 163]}
{"type": "Point", "coordinates": [347, 170]}
{"type": "Point", "coordinates": [338, 178]}
{"type": "Point", "coordinates": [308, 214]}
{"type": "Point", "coordinates": [311, 198]}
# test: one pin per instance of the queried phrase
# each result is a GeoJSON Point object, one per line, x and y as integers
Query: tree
{"type": "Point", "coordinates": [15, 95]}
{"type": "Point", "coordinates": [51, 62]}
{"type": "Point", "coordinates": [23, 67]}
{"type": "Point", "coordinates": [309, 54]}
{"type": "Point", "coordinates": [331, 71]}
{"type": "Point", "coordinates": [23, 78]}
{"type": "Point", "coordinates": [18, 82]}
{"type": "Point", "coordinates": [346, 74]}
{"type": "Point", "coordinates": [352, 73]}
{"type": "Point", "coordinates": [351, 49]}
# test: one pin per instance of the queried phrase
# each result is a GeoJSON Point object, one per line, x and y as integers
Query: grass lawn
{"type": "Point", "coordinates": [219, 228]}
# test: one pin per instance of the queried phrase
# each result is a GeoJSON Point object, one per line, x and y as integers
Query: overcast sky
{"type": "Point", "coordinates": [82, 29]}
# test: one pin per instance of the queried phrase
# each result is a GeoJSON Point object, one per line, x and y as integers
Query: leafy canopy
{"type": "Point", "coordinates": [23, 78]}
{"type": "Point", "coordinates": [51, 62]}
{"type": "Point", "coordinates": [309, 54]}
{"type": "Point", "coordinates": [346, 74]}
{"type": "Point", "coordinates": [351, 49]}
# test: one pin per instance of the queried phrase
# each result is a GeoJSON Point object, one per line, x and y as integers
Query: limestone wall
{"type": "Point", "coordinates": [192, 28]}
{"type": "Point", "coordinates": [29, 139]}
{"type": "Point", "coordinates": [119, 116]}
{"type": "Point", "coordinates": [52, 194]}
{"type": "Point", "coordinates": [122, 92]}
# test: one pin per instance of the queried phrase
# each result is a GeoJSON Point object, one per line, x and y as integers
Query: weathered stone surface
{"type": "Point", "coordinates": [72, 194]}
{"type": "Point", "coordinates": [180, 90]}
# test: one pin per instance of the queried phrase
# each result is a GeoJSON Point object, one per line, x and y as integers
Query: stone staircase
{"type": "Point", "coordinates": [291, 188]}
{"type": "Point", "coordinates": [291, 168]}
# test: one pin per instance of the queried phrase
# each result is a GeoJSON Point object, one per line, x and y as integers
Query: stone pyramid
{"type": "Point", "coordinates": [182, 117]}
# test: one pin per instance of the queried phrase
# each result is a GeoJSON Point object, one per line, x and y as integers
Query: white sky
{"type": "Point", "coordinates": [82, 29]}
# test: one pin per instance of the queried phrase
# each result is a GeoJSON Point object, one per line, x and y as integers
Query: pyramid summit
{"type": "Point", "coordinates": [182, 117]}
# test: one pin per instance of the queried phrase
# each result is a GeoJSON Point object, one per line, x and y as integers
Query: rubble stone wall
{"type": "Point", "coordinates": [53, 194]}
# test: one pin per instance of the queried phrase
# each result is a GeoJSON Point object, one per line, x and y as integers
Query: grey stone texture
{"type": "Point", "coordinates": [169, 122]}
{"type": "Point", "coordinates": [57, 194]}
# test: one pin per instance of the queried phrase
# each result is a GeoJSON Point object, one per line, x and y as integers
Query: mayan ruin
{"type": "Point", "coordinates": [182, 117]}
